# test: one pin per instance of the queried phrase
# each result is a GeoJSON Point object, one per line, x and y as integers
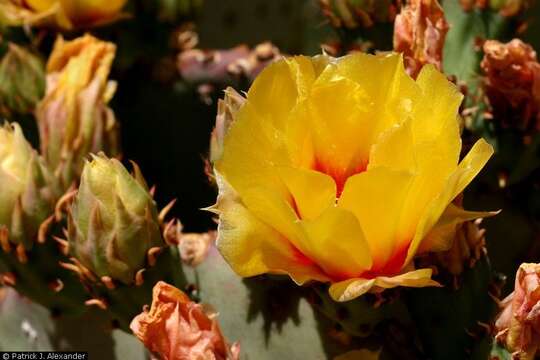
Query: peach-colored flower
{"type": "Point", "coordinates": [513, 82]}
{"type": "Point", "coordinates": [176, 328]}
{"type": "Point", "coordinates": [518, 325]}
{"type": "Point", "coordinates": [419, 32]}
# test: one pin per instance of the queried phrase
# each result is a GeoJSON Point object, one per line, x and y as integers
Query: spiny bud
{"type": "Point", "coordinates": [28, 191]}
{"type": "Point", "coordinates": [22, 81]}
{"type": "Point", "coordinates": [113, 223]}
{"type": "Point", "coordinates": [74, 118]}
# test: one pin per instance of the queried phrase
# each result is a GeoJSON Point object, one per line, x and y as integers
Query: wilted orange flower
{"type": "Point", "coordinates": [419, 33]}
{"type": "Point", "coordinates": [512, 82]}
{"type": "Point", "coordinates": [341, 170]}
{"type": "Point", "coordinates": [176, 328]}
{"type": "Point", "coordinates": [65, 14]}
{"type": "Point", "coordinates": [518, 325]}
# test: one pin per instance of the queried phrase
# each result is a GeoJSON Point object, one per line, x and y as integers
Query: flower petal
{"type": "Point", "coordinates": [303, 73]}
{"type": "Point", "coordinates": [469, 167]}
{"type": "Point", "coordinates": [252, 247]}
{"type": "Point", "coordinates": [312, 191]}
{"type": "Point", "coordinates": [274, 93]}
{"type": "Point", "coordinates": [393, 93]}
{"type": "Point", "coordinates": [438, 104]}
{"type": "Point", "coordinates": [336, 243]}
{"type": "Point", "coordinates": [337, 149]}
{"type": "Point", "coordinates": [350, 289]}
{"type": "Point", "coordinates": [394, 149]}
{"type": "Point", "coordinates": [353, 288]}
{"type": "Point", "coordinates": [376, 198]}
{"type": "Point", "coordinates": [250, 153]}
{"type": "Point", "coordinates": [441, 237]}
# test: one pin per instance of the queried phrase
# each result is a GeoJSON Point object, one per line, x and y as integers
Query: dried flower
{"type": "Point", "coordinates": [518, 325]}
{"type": "Point", "coordinates": [512, 83]}
{"type": "Point", "coordinates": [466, 238]}
{"type": "Point", "coordinates": [419, 33]}
{"type": "Point", "coordinates": [176, 328]}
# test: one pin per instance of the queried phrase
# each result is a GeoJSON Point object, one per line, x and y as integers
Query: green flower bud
{"type": "Point", "coordinates": [22, 81]}
{"type": "Point", "coordinates": [113, 222]}
{"type": "Point", "coordinates": [28, 192]}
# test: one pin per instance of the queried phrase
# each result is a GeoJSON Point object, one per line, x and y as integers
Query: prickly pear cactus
{"type": "Point", "coordinates": [84, 240]}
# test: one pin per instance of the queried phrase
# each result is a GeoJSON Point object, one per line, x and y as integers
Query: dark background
{"type": "Point", "coordinates": [165, 125]}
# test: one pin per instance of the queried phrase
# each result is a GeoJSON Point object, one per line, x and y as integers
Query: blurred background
{"type": "Point", "coordinates": [164, 117]}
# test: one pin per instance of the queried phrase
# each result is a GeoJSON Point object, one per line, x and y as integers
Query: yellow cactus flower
{"type": "Point", "coordinates": [342, 170]}
{"type": "Point", "coordinates": [65, 14]}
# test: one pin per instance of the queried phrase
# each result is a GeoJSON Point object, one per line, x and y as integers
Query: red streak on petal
{"type": "Point", "coordinates": [294, 205]}
{"type": "Point", "coordinates": [340, 176]}
{"type": "Point", "coordinates": [393, 265]}
{"type": "Point", "coordinates": [300, 258]}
